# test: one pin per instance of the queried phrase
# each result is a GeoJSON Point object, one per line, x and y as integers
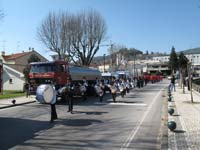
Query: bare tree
{"type": "Point", "coordinates": [53, 33]}
{"type": "Point", "coordinates": [88, 33]}
{"type": "Point", "coordinates": [1, 15]}
{"type": "Point", "coordinates": [76, 36]}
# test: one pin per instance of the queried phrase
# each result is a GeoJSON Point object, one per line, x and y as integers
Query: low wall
{"type": "Point", "coordinates": [196, 85]}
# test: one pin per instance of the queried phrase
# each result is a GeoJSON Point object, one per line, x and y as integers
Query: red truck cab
{"type": "Point", "coordinates": [55, 72]}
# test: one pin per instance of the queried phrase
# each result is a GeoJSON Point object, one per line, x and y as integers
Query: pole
{"type": "Point", "coordinates": [104, 55]}
{"type": "Point", "coordinates": [134, 64]}
{"type": "Point", "coordinates": [1, 77]}
{"type": "Point", "coordinates": [111, 54]}
{"type": "Point", "coordinates": [190, 81]}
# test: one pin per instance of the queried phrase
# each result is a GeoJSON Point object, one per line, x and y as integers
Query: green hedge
{"type": "Point", "coordinates": [11, 94]}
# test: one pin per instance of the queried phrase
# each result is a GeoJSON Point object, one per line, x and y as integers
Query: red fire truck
{"type": "Point", "coordinates": [58, 73]}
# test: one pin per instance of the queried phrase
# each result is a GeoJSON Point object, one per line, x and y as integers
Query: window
{"type": "Point", "coordinates": [10, 81]}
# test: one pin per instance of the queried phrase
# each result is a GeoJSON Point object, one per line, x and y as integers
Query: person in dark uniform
{"type": "Point", "coordinates": [173, 83]}
{"type": "Point", "coordinates": [53, 108]}
{"type": "Point", "coordinates": [26, 87]}
{"type": "Point", "coordinates": [69, 95]}
{"type": "Point", "coordinates": [53, 112]}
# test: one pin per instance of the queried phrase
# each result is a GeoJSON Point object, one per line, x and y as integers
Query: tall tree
{"type": "Point", "coordinates": [54, 33]}
{"type": "Point", "coordinates": [173, 60]}
{"type": "Point", "coordinates": [88, 34]}
{"type": "Point", "coordinates": [1, 14]}
{"type": "Point", "coordinates": [77, 36]}
{"type": "Point", "coordinates": [32, 58]}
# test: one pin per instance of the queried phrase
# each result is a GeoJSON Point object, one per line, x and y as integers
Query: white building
{"type": "Point", "coordinates": [161, 58]}
{"type": "Point", "coordinates": [193, 58]}
{"type": "Point", "coordinates": [12, 79]}
{"type": "Point", "coordinates": [13, 66]}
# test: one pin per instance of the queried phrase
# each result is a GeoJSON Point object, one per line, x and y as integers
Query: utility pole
{"type": "Point", "coordinates": [104, 57]}
{"type": "Point", "coordinates": [134, 64]}
{"type": "Point", "coordinates": [190, 80]}
{"type": "Point", "coordinates": [4, 45]}
{"type": "Point", "coordinates": [111, 57]}
{"type": "Point", "coordinates": [111, 53]}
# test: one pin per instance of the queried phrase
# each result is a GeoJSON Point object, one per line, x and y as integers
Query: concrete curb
{"type": "Point", "coordinates": [164, 128]}
{"type": "Point", "coordinates": [13, 105]}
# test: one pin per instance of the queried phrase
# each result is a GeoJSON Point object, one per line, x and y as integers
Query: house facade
{"type": "Point", "coordinates": [194, 59]}
{"type": "Point", "coordinates": [13, 66]}
{"type": "Point", "coordinates": [12, 79]}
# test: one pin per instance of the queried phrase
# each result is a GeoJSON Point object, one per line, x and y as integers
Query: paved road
{"type": "Point", "coordinates": [134, 122]}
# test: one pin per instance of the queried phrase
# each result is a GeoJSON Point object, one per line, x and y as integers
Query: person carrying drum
{"type": "Point", "coordinates": [53, 112]}
{"type": "Point", "coordinates": [99, 89]}
{"type": "Point", "coordinates": [85, 83]}
{"type": "Point", "coordinates": [41, 96]}
{"type": "Point", "coordinates": [113, 88]}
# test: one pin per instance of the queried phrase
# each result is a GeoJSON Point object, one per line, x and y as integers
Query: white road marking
{"type": "Point", "coordinates": [121, 103]}
{"type": "Point", "coordinates": [135, 130]}
{"type": "Point", "coordinates": [129, 104]}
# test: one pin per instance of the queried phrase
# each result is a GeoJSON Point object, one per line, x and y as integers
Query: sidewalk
{"type": "Point", "coordinates": [187, 117]}
{"type": "Point", "coordinates": [6, 103]}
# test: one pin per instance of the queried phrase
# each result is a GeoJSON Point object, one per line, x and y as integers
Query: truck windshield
{"type": "Point", "coordinates": [42, 68]}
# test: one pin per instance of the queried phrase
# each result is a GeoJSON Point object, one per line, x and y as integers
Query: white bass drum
{"type": "Point", "coordinates": [46, 94]}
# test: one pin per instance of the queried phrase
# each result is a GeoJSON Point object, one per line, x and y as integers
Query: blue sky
{"type": "Point", "coordinates": [153, 25]}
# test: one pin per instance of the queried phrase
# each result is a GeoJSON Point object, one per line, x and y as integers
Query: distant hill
{"type": "Point", "coordinates": [191, 51]}
{"type": "Point", "coordinates": [128, 54]}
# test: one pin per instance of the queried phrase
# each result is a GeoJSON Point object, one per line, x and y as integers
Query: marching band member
{"type": "Point", "coordinates": [122, 87]}
{"type": "Point", "coordinates": [99, 89]}
{"type": "Point", "coordinates": [53, 112]}
{"type": "Point", "coordinates": [85, 84]}
{"type": "Point", "coordinates": [69, 94]}
{"type": "Point", "coordinates": [127, 86]}
{"type": "Point", "coordinates": [113, 88]}
{"type": "Point", "coordinates": [53, 105]}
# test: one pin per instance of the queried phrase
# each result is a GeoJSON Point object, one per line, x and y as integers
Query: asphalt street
{"type": "Point", "coordinates": [134, 122]}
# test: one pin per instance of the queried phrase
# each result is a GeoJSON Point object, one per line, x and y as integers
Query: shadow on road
{"type": "Point", "coordinates": [89, 112]}
{"type": "Point", "coordinates": [179, 131]}
{"type": "Point", "coordinates": [189, 102]}
{"type": "Point", "coordinates": [79, 122]}
{"type": "Point", "coordinates": [14, 131]}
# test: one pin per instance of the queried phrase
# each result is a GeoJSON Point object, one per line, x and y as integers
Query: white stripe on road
{"type": "Point", "coordinates": [135, 130]}
{"type": "Point", "coordinates": [129, 104]}
{"type": "Point", "coordinates": [122, 104]}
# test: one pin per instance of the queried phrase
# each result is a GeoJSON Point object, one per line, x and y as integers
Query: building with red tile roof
{"type": "Point", "coordinates": [13, 66]}
{"type": "Point", "coordinates": [18, 61]}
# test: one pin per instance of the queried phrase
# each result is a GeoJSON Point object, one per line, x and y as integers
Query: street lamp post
{"type": "Point", "coordinates": [190, 80]}
{"type": "Point", "coordinates": [104, 57]}
{"type": "Point", "coordinates": [134, 65]}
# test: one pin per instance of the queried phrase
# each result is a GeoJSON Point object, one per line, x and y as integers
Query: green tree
{"type": "Point", "coordinates": [173, 60]}
{"type": "Point", "coordinates": [32, 58]}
